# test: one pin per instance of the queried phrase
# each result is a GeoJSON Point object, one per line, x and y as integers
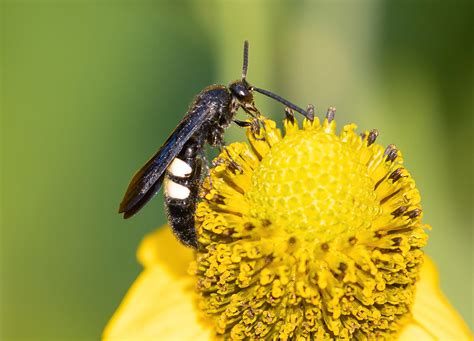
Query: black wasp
{"type": "Point", "coordinates": [180, 161]}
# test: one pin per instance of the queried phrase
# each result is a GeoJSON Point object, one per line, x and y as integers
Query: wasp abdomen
{"type": "Point", "coordinates": [181, 186]}
{"type": "Point", "coordinates": [179, 168]}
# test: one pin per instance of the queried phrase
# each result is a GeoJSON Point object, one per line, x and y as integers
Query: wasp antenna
{"type": "Point", "coordinates": [246, 60]}
{"type": "Point", "coordinates": [285, 102]}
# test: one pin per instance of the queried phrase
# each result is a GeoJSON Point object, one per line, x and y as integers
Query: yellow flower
{"type": "Point", "coordinates": [312, 235]}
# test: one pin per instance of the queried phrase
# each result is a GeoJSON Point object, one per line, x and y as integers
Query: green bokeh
{"type": "Point", "coordinates": [91, 89]}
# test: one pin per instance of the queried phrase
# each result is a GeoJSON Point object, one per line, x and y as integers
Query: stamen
{"type": "Point", "coordinates": [414, 213]}
{"type": "Point", "coordinates": [316, 236]}
{"type": "Point", "coordinates": [310, 112]}
{"type": "Point", "coordinates": [289, 114]}
{"type": "Point", "coordinates": [325, 247]}
{"type": "Point", "coordinates": [396, 174]}
{"type": "Point", "coordinates": [388, 197]}
{"type": "Point", "coordinates": [391, 152]}
{"type": "Point", "coordinates": [397, 241]}
{"type": "Point", "coordinates": [330, 114]}
{"type": "Point", "coordinates": [399, 211]}
{"type": "Point", "coordinates": [372, 136]}
{"type": "Point", "coordinates": [352, 240]}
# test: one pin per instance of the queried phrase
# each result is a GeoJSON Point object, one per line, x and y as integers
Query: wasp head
{"type": "Point", "coordinates": [242, 93]}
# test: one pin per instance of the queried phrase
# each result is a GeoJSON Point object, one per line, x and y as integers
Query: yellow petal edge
{"type": "Point", "coordinates": [433, 316]}
{"type": "Point", "coordinates": [159, 304]}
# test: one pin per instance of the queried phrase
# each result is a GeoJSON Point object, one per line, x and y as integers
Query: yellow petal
{"type": "Point", "coordinates": [159, 305]}
{"type": "Point", "coordinates": [433, 317]}
{"type": "Point", "coordinates": [161, 247]}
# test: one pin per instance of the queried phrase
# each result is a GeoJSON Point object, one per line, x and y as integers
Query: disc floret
{"type": "Point", "coordinates": [310, 234]}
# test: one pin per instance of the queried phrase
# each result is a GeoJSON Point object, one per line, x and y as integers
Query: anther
{"type": "Point", "coordinates": [380, 234]}
{"type": "Point", "coordinates": [249, 226]}
{"type": "Point", "coordinates": [330, 114]}
{"type": "Point", "coordinates": [290, 115]}
{"type": "Point", "coordinates": [392, 155]}
{"type": "Point", "coordinates": [325, 247]}
{"type": "Point", "coordinates": [266, 222]}
{"type": "Point", "coordinates": [388, 149]}
{"type": "Point", "coordinates": [232, 164]}
{"type": "Point", "coordinates": [413, 213]}
{"type": "Point", "coordinates": [399, 211]}
{"type": "Point", "coordinates": [342, 267]}
{"type": "Point", "coordinates": [397, 241]}
{"type": "Point", "coordinates": [310, 112]}
{"type": "Point", "coordinates": [396, 174]}
{"type": "Point", "coordinates": [372, 136]}
{"type": "Point", "coordinates": [352, 240]}
{"type": "Point", "coordinates": [391, 152]}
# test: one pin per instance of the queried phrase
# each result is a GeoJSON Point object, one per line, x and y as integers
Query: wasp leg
{"type": "Point", "coordinates": [254, 113]}
{"type": "Point", "coordinates": [243, 124]}
{"type": "Point", "coordinates": [256, 126]}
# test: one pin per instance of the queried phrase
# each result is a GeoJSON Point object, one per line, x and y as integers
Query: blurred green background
{"type": "Point", "coordinates": [90, 89]}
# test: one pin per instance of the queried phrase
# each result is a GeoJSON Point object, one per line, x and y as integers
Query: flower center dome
{"type": "Point", "coordinates": [312, 182]}
{"type": "Point", "coordinates": [312, 235]}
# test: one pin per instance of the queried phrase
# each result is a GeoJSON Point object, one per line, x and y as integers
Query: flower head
{"type": "Point", "coordinates": [310, 235]}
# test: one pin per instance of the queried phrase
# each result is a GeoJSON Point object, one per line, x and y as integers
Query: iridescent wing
{"type": "Point", "coordinates": [147, 181]}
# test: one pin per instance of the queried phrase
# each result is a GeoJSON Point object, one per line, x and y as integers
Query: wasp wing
{"type": "Point", "coordinates": [147, 181]}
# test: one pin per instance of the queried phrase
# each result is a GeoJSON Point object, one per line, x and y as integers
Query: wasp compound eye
{"type": "Point", "coordinates": [240, 91]}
